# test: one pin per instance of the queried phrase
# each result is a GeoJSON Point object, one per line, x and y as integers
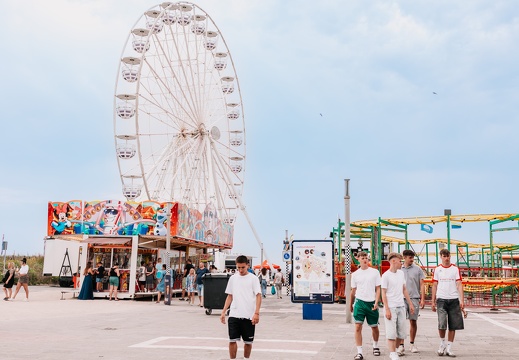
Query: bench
{"type": "Point", "coordinates": [74, 293]}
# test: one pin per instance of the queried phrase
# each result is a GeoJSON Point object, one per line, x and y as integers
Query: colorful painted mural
{"type": "Point", "coordinates": [114, 217]}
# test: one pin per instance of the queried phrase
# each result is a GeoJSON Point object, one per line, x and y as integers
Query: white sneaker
{"type": "Point", "coordinates": [400, 351]}
{"type": "Point", "coordinates": [441, 350]}
{"type": "Point", "coordinates": [449, 353]}
{"type": "Point", "coordinates": [25, 299]}
{"type": "Point", "coordinates": [414, 349]}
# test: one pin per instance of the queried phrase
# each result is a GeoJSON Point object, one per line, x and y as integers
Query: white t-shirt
{"type": "Point", "coordinates": [24, 269]}
{"type": "Point", "coordinates": [365, 281]}
{"type": "Point", "coordinates": [243, 290]}
{"type": "Point", "coordinates": [278, 278]}
{"type": "Point", "coordinates": [446, 278]}
{"type": "Point", "coordinates": [142, 270]}
{"type": "Point", "coordinates": [394, 283]}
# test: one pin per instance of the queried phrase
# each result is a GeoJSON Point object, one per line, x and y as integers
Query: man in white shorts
{"type": "Point", "coordinates": [414, 276]}
{"type": "Point", "coordinates": [365, 291]}
{"type": "Point", "coordinates": [447, 299]}
{"type": "Point", "coordinates": [393, 293]}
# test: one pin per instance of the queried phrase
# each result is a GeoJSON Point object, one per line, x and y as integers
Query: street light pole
{"type": "Point", "coordinates": [348, 249]}
{"type": "Point", "coordinates": [168, 281]}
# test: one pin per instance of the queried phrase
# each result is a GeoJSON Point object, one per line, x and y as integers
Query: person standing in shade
{"type": "Point", "coordinates": [100, 274]}
{"type": "Point", "coordinates": [448, 301]}
{"type": "Point", "coordinates": [244, 300]}
{"type": "Point", "coordinates": [150, 276]}
{"type": "Point", "coordinates": [200, 272]}
{"type": "Point", "coordinates": [187, 269]}
{"type": "Point", "coordinates": [416, 288]}
{"type": "Point", "coordinates": [141, 274]}
{"type": "Point", "coordinates": [393, 293]}
{"type": "Point", "coordinates": [23, 280]}
{"type": "Point", "coordinates": [364, 297]}
{"type": "Point", "coordinates": [158, 268]}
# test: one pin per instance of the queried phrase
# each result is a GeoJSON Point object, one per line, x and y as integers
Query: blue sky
{"type": "Point", "coordinates": [370, 69]}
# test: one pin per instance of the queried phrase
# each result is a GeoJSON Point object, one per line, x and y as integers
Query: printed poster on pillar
{"type": "Point", "coordinates": [312, 271]}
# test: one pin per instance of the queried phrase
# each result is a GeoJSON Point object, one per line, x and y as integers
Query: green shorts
{"type": "Point", "coordinates": [364, 310]}
{"type": "Point", "coordinates": [114, 280]}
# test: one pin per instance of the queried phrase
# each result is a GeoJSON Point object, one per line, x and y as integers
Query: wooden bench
{"type": "Point", "coordinates": [74, 293]}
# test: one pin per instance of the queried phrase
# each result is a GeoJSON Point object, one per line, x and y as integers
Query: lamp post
{"type": "Point", "coordinates": [168, 281]}
{"type": "Point", "coordinates": [348, 259]}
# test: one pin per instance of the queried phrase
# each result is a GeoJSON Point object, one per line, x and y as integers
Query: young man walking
{"type": "Point", "coordinates": [393, 293]}
{"type": "Point", "coordinates": [416, 288]}
{"type": "Point", "coordinates": [244, 299]}
{"type": "Point", "coordinates": [448, 301]}
{"type": "Point", "coordinates": [365, 291]}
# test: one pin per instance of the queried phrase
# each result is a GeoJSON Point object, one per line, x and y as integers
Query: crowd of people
{"type": "Point", "coordinates": [402, 291]}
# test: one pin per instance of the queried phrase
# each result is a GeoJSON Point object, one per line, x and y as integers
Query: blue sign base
{"type": "Point", "coordinates": [312, 311]}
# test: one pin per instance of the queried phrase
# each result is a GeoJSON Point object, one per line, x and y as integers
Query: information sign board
{"type": "Point", "coordinates": [312, 271]}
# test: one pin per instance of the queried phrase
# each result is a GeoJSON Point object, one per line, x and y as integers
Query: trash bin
{"type": "Point", "coordinates": [214, 291]}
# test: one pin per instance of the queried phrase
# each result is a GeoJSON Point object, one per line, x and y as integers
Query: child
{"type": "Point", "coordinates": [191, 286]}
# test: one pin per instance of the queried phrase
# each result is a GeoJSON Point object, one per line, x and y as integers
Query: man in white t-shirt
{"type": "Point", "coordinates": [393, 292]}
{"type": "Point", "coordinates": [365, 292]}
{"type": "Point", "coordinates": [244, 299]}
{"type": "Point", "coordinates": [448, 301]}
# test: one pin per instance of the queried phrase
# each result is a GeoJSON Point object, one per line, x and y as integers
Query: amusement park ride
{"type": "Point", "coordinates": [490, 271]}
{"type": "Point", "coordinates": [179, 136]}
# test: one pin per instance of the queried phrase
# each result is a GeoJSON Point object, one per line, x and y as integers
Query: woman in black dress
{"type": "Point", "coordinates": [87, 289]}
{"type": "Point", "coordinates": [9, 281]}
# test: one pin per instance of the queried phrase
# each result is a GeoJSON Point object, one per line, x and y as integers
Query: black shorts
{"type": "Point", "coordinates": [241, 328]}
{"type": "Point", "coordinates": [449, 314]}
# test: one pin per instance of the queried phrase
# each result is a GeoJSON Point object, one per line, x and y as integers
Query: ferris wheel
{"type": "Point", "coordinates": [178, 116]}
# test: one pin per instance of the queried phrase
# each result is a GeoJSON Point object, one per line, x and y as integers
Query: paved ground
{"type": "Point", "coordinates": [49, 328]}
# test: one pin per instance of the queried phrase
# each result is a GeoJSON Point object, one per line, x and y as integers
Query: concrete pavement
{"type": "Point", "coordinates": [49, 328]}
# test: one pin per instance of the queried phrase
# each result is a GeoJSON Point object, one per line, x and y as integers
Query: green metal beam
{"type": "Point", "coordinates": [511, 218]}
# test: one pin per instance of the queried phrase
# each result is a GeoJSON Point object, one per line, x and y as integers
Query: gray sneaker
{"type": "Point", "coordinates": [441, 350]}
{"type": "Point", "coordinates": [449, 353]}
{"type": "Point", "coordinates": [400, 351]}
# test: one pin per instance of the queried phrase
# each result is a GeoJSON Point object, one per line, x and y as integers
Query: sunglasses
{"type": "Point", "coordinates": [111, 211]}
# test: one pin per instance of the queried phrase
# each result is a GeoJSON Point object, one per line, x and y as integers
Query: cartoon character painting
{"type": "Point", "coordinates": [62, 222]}
{"type": "Point", "coordinates": [110, 218]}
{"type": "Point", "coordinates": [160, 227]}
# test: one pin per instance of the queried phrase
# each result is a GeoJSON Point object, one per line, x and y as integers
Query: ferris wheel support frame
{"type": "Point", "coordinates": [242, 207]}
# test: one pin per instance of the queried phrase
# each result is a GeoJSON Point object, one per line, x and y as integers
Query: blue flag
{"type": "Point", "coordinates": [426, 228]}
{"type": "Point", "coordinates": [455, 226]}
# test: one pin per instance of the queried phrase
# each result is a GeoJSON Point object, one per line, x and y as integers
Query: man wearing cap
{"type": "Point", "coordinates": [365, 292]}
{"type": "Point", "coordinates": [416, 288]}
{"type": "Point", "coordinates": [447, 298]}
{"type": "Point", "coordinates": [393, 292]}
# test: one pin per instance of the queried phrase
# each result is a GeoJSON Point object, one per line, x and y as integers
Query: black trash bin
{"type": "Point", "coordinates": [214, 291]}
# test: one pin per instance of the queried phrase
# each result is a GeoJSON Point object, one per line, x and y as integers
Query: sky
{"type": "Point", "coordinates": [415, 102]}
